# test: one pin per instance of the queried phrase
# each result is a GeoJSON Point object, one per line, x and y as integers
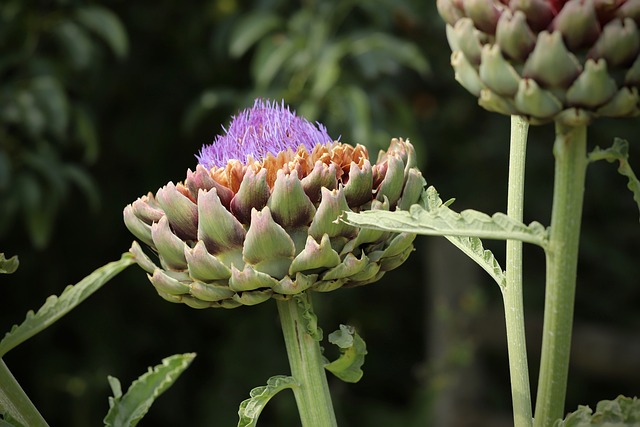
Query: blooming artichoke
{"type": "Point", "coordinates": [566, 60]}
{"type": "Point", "coordinates": [258, 217]}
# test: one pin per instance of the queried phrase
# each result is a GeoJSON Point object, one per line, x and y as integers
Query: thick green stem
{"type": "Point", "coordinates": [15, 402]}
{"type": "Point", "coordinates": [512, 292]}
{"type": "Point", "coordinates": [570, 150]}
{"type": "Point", "coordinates": [301, 337]}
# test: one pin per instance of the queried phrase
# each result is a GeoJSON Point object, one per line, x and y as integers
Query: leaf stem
{"type": "Point", "coordinates": [570, 150]}
{"type": "Point", "coordinates": [512, 291]}
{"type": "Point", "coordinates": [301, 337]}
{"type": "Point", "coordinates": [15, 402]}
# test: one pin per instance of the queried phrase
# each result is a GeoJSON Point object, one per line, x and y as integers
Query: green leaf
{"type": "Point", "coordinates": [251, 408]}
{"type": "Point", "coordinates": [106, 25]}
{"type": "Point", "coordinates": [353, 349]}
{"type": "Point", "coordinates": [205, 103]}
{"type": "Point", "coordinates": [388, 51]}
{"type": "Point", "coordinates": [473, 248]}
{"type": "Point", "coordinates": [619, 151]}
{"type": "Point", "coordinates": [15, 406]}
{"type": "Point", "coordinates": [30, 117]}
{"type": "Point", "coordinates": [55, 307]}
{"type": "Point", "coordinates": [269, 59]}
{"type": "Point", "coordinates": [310, 318]}
{"type": "Point", "coordinates": [464, 230]}
{"type": "Point", "coordinates": [86, 133]}
{"type": "Point", "coordinates": [5, 423]}
{"type": "Point", "coordinates": [76, 43]}
{"type": "Point", "coordinates": [436, 219]}
{"type": "Point", "coordinates": [8, 266]}
{"type": "Point", "coordinates": [250, 30]}
{"type": "Point", "coordinates": [52, 101]}
{"type": "Point", "coordinates": [621, 412]}
{"type": "Point", "coordinates": [128, 409]}
{"type": "Point", "coordinates": [84, 182]}
{"type": "Point", "coordinates": [6, 171]}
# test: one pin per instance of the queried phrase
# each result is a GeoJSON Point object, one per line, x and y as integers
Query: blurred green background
{"type": "Point", "coordinates": [101, 102]}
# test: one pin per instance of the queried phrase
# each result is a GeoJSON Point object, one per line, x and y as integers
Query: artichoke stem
{"type": "Point", "coordinates": [14, 400]}
{"type": "Point", "coordinates": [307, 365]}
{"type": "Point", "coordinates": [562, 259]}
{"type": "Point", "coordinates": [512, 292]}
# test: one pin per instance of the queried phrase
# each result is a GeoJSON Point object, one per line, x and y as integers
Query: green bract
{"type": "Point", "coordinates": [547, 60]}
{"type": "Point", "coordinates": [248, 231]}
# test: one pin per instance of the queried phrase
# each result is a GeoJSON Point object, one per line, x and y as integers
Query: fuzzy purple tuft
{"type": "Point", "coordinates": [265, 128]}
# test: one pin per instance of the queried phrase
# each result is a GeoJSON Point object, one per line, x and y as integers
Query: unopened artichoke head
{"type": "Point", "coordinates": [257, 219]}
{"type": "Point", "coordinates": [566, 60]}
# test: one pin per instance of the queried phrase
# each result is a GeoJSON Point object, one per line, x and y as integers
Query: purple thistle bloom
{"type": "Point", "coordinates": [265, 128]}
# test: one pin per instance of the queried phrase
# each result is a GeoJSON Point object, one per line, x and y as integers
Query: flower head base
{"type": "Point", "coordinates": [566, 60]}
{"type": "Point", "coordinates": [239, 232]}
{"type": "Point", "coordinates": [265, 128]}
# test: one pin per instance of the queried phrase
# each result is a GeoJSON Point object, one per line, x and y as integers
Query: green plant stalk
{"type": "Point", "coordinates": [15, 402]}
{"type": "Point", "coordinates": [512, 292]}
{"type": "Point", "coordinates": [307, 365]}
{"type": "Point", "coordinates": [570, 151]}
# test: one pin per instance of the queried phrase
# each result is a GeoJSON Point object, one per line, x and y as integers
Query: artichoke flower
{"type": "Point", "coordinates": [547, 60]}
{"type": "Point", "coordinates": [257, 219]}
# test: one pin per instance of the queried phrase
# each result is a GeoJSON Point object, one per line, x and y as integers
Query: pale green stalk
{"type": "Point", "coordinates": [512, 292]}
{"type": "Point", "coordinates": [570, 150]}
{"type": "Point", "coordinates": [307, 366]}
{"type": "Point", "coordinates": [15, 401]}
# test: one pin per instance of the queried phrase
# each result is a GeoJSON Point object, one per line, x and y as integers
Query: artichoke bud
{"type": "Point", "coordinates": [538, 58]}
{"type": "Point", "coordinates": [257, 219]}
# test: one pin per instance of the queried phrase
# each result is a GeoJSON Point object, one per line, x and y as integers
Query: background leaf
{"type": "Point", "coordinates": [107, 26]}
{"type": "Point", "coordinates": [128, 409]}
{"type": "Point", "coordinates": [250, 29]}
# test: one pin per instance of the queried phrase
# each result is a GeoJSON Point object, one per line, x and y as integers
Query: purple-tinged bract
{"type": "Point", "coordinates": [265, 128]}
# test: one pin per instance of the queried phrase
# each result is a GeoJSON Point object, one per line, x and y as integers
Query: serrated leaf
{"type": "Point", "coordinates": [310, 318]}
{"type": "Point", "coordinates": [464, 230]}
{"type": "Point", "coordinates": [348, 366]}
{"type": "Point", "coordinates": [250, 30]}
{"type": "Point", "coordinates": [128, 409]}
{"type": "Point", "coordinates": [57, 306]}
{"type": "Point", "coordinates": [251, 408]}
{"type": "Point", "coordinates": [106, 25]}
{"type": "Point", "coordinates": [8, 266]}
{"type": "Point", "coordinates": [473, 248]}
{"type": "Point", "coordinates": [436, 219]}
{"type": "Point", "coordinates": [619, 151]}
{"type": "Point", "coordinates": [621, 412]}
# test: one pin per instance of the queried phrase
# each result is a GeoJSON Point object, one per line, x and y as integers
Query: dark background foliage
{"type": "Point", "coordinates": [101, 102]}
